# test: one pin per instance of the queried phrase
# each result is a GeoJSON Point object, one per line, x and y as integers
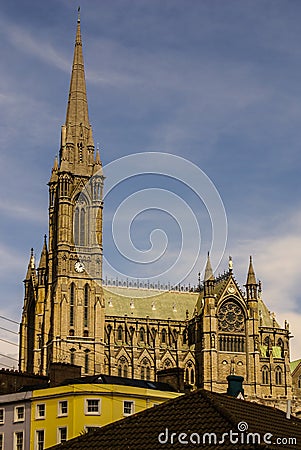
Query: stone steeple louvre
{"type": "Point", "coordinates": [251, 278]}
{"type": "Point", "coordinates": [77, 124]}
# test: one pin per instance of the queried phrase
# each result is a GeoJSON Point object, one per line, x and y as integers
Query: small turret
{"type": "Point", "coordinates": [97, 158]}
{"type": "Point", "coordinates": [31, 273]}
{"type": "Point", "coordinates": [54, 171]}
{"type": "Point", "coordinates": [31, 266]}
{"type": "Point", "coordinates": [42, 269]}
{"type": "Point", "coordinates": [208, 278]}
{"type": "Point", "coordinates": [251, 284]}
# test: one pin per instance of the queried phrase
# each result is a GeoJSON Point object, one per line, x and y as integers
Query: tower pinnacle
{"type": "Point", "coordinates": [77, 118]}
{"type": "Point", "coordinates": [208, 270]}
{"type": "Point", "coordinates": [251, 279]}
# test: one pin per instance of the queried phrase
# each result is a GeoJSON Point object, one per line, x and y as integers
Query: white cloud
{"type": "Point", "coordinates": [11, 260]}
{"type": "Point", "coordinates": [14, 209]}
{"type": "Point", "coordinates": [23, 40]}
{"type": "Point", "coordinates": [277, 262]}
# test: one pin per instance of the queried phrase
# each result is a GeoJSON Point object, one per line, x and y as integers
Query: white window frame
{"type": "Point", "coordinates": [132, 407]}
{"type": "Point", "coordinates": [15, 439]}
{"type": "Point", "coordinates": [59, 405]}
{"type": "Point", "coordinates": [2, 443]}
{"type": "Point", "coordinates": [16, 418]}
{"type": "Point", "coordinates": [36, 439]}
{"type": "Point", "coordinates": [38, 416]}
{"type": "Point", "coordinates": [92, 413]}
{"type": "Point", "coordinates": [59, 441]}
{"type": "Point", "coordinates": [3, 421]}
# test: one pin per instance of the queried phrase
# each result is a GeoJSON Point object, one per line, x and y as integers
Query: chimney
{"type": "Point", "coordinates": [60, 372]}
{"type": "Point", "coordinates": [288, 409]}
{"type": "Point", "coordinates": [173, 376]}
{"type": "Point", "coordinates": [235, 388]}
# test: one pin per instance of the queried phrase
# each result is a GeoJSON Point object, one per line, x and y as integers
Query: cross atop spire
{"type": "Point", "coordinates": [77, 117]}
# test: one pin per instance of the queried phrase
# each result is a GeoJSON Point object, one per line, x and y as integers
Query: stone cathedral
{"type": "Point", "coordinates": [68, 316]}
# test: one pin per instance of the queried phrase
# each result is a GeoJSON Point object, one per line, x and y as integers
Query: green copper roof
{"type": "Point", "coordinates": [162, 305]}
{"type": "Point", "coordinates": [155, 304]}
{"type": "Point", "coordinates": [267, 320]}
{"type": "Point", "coordinates": [294, 364]}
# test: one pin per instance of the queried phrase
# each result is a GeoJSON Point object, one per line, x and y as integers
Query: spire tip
{"type": "Point", "coordinates": [230, 264]}
{"type": "Point", "coordinates": [78, 14]}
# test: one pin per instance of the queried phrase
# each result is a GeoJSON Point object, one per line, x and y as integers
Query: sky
{"type": "Point", "coordinates": [216, 83]}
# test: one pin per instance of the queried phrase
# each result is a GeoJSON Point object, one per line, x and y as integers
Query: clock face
{"type": "Point", "coordinates": [79, 267]}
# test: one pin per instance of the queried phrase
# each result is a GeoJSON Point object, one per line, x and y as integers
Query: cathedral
{"type": "Point", "coordinates": [211, 331]}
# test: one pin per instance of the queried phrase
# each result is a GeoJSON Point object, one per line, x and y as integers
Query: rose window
{"type": "Point", "coordinates": [231, 318]}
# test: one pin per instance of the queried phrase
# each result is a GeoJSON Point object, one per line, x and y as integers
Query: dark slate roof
{"type": "Point", "coordinates": [110, 379]}
{"type": "Point", "coordinates": [198, 412]}
{"type": "Point", "coordinates": [33, 387]}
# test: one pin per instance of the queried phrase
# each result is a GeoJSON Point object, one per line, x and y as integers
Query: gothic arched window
{"type": "Point", "coordinates": [82, 232]}
{"type": "Point", "coordinates": [231, 328]}
{"type": "Point", "coordinates": [81, 222]}
{"type": "Point", "coordinates": [267, 344]}
{"type": "Point", "coordinates": [64, 186]}
{"type": "Point", "coordinates": [231, 318]}
{"type": "Point", "coordinates": [86, 361]}
{"type": "Point", "coordinates": [189, 373]}
{"type": "Point", "coordinates": [122, 367]}
{"type": "Point", "coordinates": [145, 369]}
{"type": "Point", "coordinates": [278, 375]}
{"type": "Point", "coordinates": [72, 299]}
{"type": "Point", "coordinates": [72, 356]}
{"type": "Point", "coordinates": [86, 305]}
{"type": "Point", "coordinates": [163, 336]}
{"type": "Point", "coordinates": [299, 382]}
{"type": "Point", "coordinates": [119, 333]}
{"type": "Point", "coordinates": [265, 375]}
{"type": "Point", "coordinates": [142, 334]}
{"type": "Point", "coordinates": [281, 345]}
{"type": "Point", "coordinates": [147, 372]}
{"type": "Point", "coordinates": [185, 336]}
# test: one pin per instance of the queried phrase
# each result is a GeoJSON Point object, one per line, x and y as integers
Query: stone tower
{"type": "Point", "coordinates": [63, 314]}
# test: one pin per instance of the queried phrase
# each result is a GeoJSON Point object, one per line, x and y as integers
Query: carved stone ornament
{"type": "Point", "coordinates": [231, 318]}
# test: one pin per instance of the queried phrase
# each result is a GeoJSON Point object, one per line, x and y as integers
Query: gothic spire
{"type": "Point", "coordinates": [251, 279]}
{"type": "Point", "coordinates": [208, 270]}
{"type": "Point", "coordinates": [77, 118]}
{"type": "Point", "coordinates": [44, 253]}
{"type": "Point", "coordinates": [31, 266]}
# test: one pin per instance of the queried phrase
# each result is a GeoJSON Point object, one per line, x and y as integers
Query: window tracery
{"type": "Point", "coordinates": [145, 369]}
{"type": "Point", "coordinates": [122, 367]}
{"type": "Point", "coordinates": [231, 318]}
{"type": "Point", "coordinates": [231, 327]}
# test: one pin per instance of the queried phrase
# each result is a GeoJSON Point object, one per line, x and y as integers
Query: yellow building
{"type": "Point", "coordinates": [64, 412]}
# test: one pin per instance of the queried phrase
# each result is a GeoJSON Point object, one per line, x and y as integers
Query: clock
{"type": "Point", "coordinates": [79, 267]}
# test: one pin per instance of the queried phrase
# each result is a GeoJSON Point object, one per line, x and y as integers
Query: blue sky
{"type": "Point", "coordinates": [215, 82]}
